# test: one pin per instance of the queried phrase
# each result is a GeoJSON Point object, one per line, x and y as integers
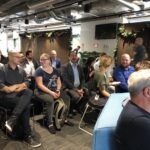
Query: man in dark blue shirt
{"type": "Point", "coordinates": [122, 73]}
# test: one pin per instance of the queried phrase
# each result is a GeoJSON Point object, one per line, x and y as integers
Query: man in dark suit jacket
{"type": "Point", "coordinates": [73, 81]}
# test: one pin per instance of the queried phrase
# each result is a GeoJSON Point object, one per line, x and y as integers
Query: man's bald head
{"type": "Point", "coordinates": [125, 60]}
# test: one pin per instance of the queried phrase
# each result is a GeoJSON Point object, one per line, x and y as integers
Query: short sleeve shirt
{"type": "Point", "coordinates": [49, 79]}
{"type": "Point", "coordinates": [9, 77]}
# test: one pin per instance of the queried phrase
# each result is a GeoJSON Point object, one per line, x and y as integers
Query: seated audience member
{"type": "Point", "coordinates": [133, 127]}
{"type": "Point", "coordinates": [30, 61]}
{"type": "Point", "coordinates": [122, 73]}
{"type": "Point", "coordinates": [56, 63]}
{"type": "Point", "coordinates": [100, 77]}
{"type": "Point", "coordinates": [48, 88]}
{"type": "Point", "coordinates": [16, 96]}
{"type": "Point", "coordinates": [27, 68]}
{"type": "Point", "coordinates": [145, 64]}
{"type": "Point", "coordinates": [89, 70]}
{"type": "Point", "coordinates": [3, 60]}
{"type": "Point", "coordinates": [73, 82]}
{"type": "Point", "coordinates": [97, 63]}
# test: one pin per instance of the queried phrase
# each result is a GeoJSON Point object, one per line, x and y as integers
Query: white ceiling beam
{"type": "Point", "coordinates": [129, 5]}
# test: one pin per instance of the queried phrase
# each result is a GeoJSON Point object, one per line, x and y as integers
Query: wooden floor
{"type": "Point", "coordinates": [69, 138]}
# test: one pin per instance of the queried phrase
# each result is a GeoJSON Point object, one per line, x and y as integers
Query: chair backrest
{"type": "Point", "coordinates": [103, 137]}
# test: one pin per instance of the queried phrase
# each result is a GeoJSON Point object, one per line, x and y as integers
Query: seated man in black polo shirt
{"type": "Point", "coordinates": [16, 95]}
{"type": "Point", "coordinates": [133, 127]}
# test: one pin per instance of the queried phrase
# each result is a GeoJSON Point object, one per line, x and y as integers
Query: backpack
{"type": "Point", "coordinates": [60, 113]}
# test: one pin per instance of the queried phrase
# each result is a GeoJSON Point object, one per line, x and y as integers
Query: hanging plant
{"type": "Point", "coordinates": [127, 36]}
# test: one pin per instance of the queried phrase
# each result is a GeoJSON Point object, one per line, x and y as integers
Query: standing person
{"type": "Point", "coordinates": [139, 50]}
{"type": "Point", "coordinates": [56, 63]}
{"type": "Point", "coordinates": [73, 81]}
{"type": "Point", "coordinates": [16, 96]}
{"type": "Point", "coordinates": [48, 89]}
{"type": "Point", "coordinates": [122, 73]}
{"type": "Point", "coordinates": [133, 127]}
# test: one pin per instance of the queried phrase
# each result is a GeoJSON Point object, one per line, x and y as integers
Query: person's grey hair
{"type": "Point", "coordinates": [138, 80]}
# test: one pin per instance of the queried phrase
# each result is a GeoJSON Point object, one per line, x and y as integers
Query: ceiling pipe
{"type": "Point", "coordinates": [67, 19]}
{"type": "Point", "coordinates": [36, 5]}
{"type": "Point", "coordinates": [56, 17]}
{"type": "Point", "coordinates": [129, 5]}
{"type": "Point", "coordinates": [143, 4]}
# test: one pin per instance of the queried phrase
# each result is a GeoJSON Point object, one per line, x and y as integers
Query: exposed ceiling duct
{"type": "Point", "coordinates": [43, 12]}
{"type": "Point", "coordinates": [39, 4]}
{"type": "Point", "coordinates": [130, 5]}
{"type": "Point", "coordinates": [66, 19]}
{"type": "Point", "coordinates": [143, 4]}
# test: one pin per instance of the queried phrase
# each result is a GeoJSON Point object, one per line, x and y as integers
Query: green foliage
{"type": "Point", "coordinates": [127, 36]}
{"type": "Point", "coordinates": [85, 55]}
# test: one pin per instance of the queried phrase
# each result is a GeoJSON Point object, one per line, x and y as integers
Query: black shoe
{"type": "Point", "coordinates": [69, 123]}
{"type": "Point", "coordinates": [32, 142]}
{"type": "Point", "coordinates": [9, 124]}
{"type": "Point", "coordinates": [52, 129]}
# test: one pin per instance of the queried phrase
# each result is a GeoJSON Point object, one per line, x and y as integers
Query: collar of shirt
{"type": "Point", "coordinates": [73, 64]}
{"type": "Point", "coordinates": [9, 67]}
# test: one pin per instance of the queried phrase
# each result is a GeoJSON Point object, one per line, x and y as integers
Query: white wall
{"type": "Point", "coordinates": [76, 30]}
{"type": "Point", "coordinates": [9, 41]}
{"type": "Point", "coordinates": [88, 41]}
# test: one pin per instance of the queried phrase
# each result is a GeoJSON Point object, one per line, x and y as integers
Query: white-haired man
{"type": "Point", "coordinates": [133, 128]}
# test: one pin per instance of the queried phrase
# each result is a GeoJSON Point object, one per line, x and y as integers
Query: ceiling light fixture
{"type": "Point", "coordinates": [80, 4]}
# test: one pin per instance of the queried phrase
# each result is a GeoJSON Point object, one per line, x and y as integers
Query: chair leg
{"type": "Point", "coordinates": [87, 106]}
{"type": "Point", "coordinates": [32, 118]}
{"type": "Point", "coordinates": [6, 118]}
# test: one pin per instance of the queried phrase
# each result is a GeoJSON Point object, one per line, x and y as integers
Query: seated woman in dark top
{"type": "Point", "coordinates": [48, 88]}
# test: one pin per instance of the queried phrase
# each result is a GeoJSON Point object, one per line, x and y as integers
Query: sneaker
{"type": "Point", "coordinates": [32, 142]}
{"type": "Point", "coordinates": [51, 129]}
{"type": "Point", "coordinates": [9, 124]}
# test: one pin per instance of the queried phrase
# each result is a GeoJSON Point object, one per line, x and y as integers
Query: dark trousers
{"type": "Point", "coordinates": [66, 100]}
{"type": "Point", "coordinates": [75, 101]}
{"type": "Point", "coordinates": [20, 105]}
{"type": "Point", "coordinates": [49, 103]}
